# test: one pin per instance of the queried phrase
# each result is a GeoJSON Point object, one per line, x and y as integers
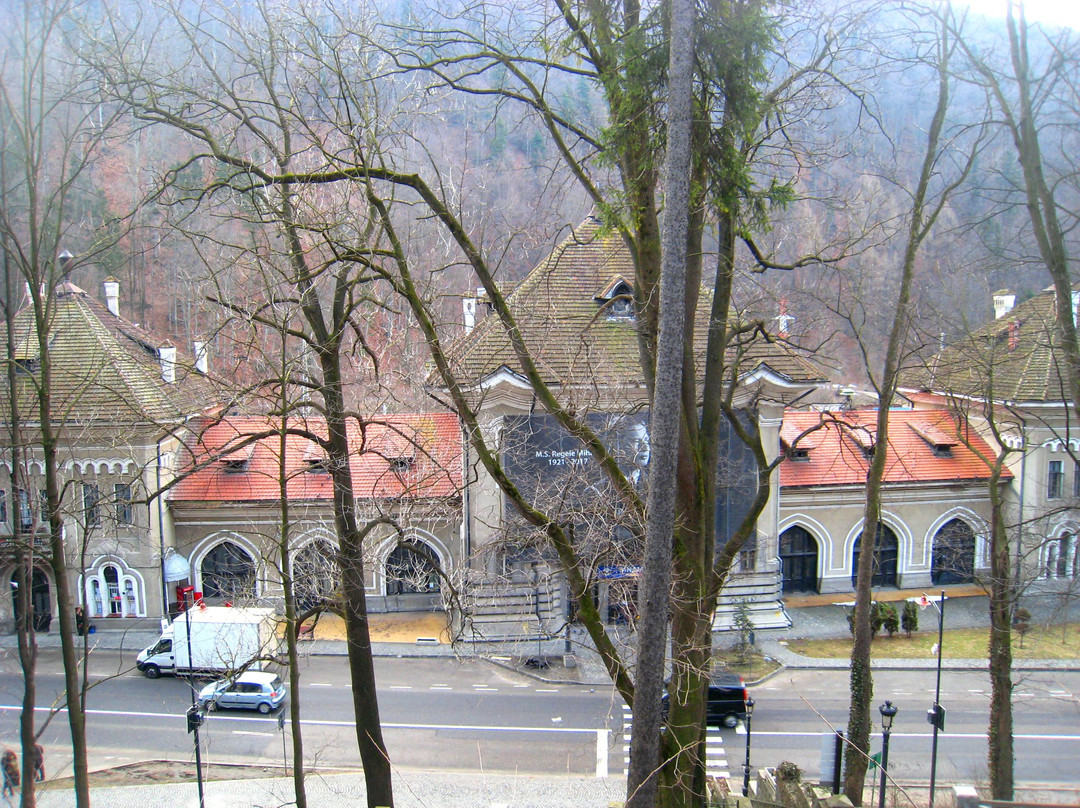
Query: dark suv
{"type": "Point", "coordinates": [727, 701]}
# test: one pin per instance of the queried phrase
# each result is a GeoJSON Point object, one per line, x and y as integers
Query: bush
{"type": "Point", "coordinates": [877, 618]}
{"type": "Point", "coordinates": [890, 619]}
{"type": "Point", "coordinates": [909, 621]}
{"type": "Point", "coordinates": [1022, 623]}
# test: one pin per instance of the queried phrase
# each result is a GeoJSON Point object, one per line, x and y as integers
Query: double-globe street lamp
{"type": "Point", "coordinates": [888, 713]}
{"type": "Point", "coordinates": [746, 765]}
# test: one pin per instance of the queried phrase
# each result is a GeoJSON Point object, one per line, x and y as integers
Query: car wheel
{"type": "Point", "coordinates": [211, 706]}
{"type": "Point", "coordinates": [731, 720]}
{"type": "Point", "coordinates": [265, 708]}
{"type": "Point", "coordinates": [152, 671]}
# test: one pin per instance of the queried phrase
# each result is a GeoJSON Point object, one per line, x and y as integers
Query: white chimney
{"type": "Point", "coordinates": [112, 295]}
{"type": "Point", "coordinates": [167, 355]}
{"type": "Point", "coordinates": [468, 310]}
{"type": "Point", "coordinates": [202, 356]}
{"type": "Point", "coordinates": [1004, 300]}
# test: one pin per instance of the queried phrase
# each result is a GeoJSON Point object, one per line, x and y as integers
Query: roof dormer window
{"type": "Point", "coordinates": [316, 461]}
{"type": "Point", "coordinates": [401, 465]}
{"type": "Point", "coordinates": [617, 300]}
{"type": "Point", "coordinates": [940, 442]}
{"type": "Point", "coordinates": [237, 461]}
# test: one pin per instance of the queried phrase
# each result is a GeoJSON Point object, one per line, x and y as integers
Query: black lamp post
{"type": "Point", "coordinates": [936, 715]}
{"type": "Point", "coordinates": [194, 717]}
{"type": "Point", "coordinates": [746, 765]}
{"type": "Point", "coordinates": [888, 713]}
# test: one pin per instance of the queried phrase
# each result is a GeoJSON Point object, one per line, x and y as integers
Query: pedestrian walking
{"type": "Point", "coordinates": [39, 762]}
{"type": "Point", "coordinates": [9, 762]}
{"type": "Point", "coordinates": [80, 621]}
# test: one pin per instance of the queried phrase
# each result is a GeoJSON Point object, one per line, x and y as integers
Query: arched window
{"type": "Point", "coordinates": [886, 554]}
{"type": "Point", "coordinates": [1060, 557]}
{"type": "Point", "coordinates": [40, 599]}
{"type": "Point", "coordinates": [316, 574]}
{"type": "Point", "coordinates": [228, 573]}
{"type": "Point", "coordinates": [954, 554]}
{"type": "Point", "coordinates": [112, 589]}
{"type": "Point", "coordinates": [411, 569]}
{"type": "Point", "coordinates": [799, 560]}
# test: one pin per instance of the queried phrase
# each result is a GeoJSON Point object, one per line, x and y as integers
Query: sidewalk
{"type": "Point", "coordinates": [411, 790]}
{"type": "Point", "coordinates": [813, 617]}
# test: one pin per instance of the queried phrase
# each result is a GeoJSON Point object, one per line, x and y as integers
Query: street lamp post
{"type": "Point", "coordinates": [936, 715]}
{"type": "Point", "coordinates": [746, 765]}
{"type": "Point", "coordinates": [194, 717]}
{"type": "Point", "coordinates": [888, 713]}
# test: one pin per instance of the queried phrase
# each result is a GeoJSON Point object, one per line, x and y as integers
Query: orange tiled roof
{"type": "Point", "coordinates": [427, 448]}
{"type": "Point", "coordinates": [836, 453]}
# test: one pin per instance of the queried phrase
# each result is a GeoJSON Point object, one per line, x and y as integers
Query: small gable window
{"type": "Point", "coordinates": [617, 300]}
{"type": "Point", "coordinates": [401, 465]}
{"type": "Point", "coordinates": [938, 440]}
{"type": "Point", "coordinates": [238, 460]}
{"type": "Point", "coordinates": [316, 461]}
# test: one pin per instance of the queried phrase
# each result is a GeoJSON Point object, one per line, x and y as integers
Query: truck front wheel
{"type": "Point", "coordinates": [152, 671]}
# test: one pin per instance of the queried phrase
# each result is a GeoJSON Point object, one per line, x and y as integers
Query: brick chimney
{"type": "Point", "coordinates": [1004, 301]}
{"type": "Point", "coordinates": [112, 295]}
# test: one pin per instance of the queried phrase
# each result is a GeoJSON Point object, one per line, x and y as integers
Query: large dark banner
{"type": "Point", "coordinates": [555, 469]}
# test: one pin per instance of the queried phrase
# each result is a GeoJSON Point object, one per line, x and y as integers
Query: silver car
{"type": "Point", "coordinates": [251, 690]}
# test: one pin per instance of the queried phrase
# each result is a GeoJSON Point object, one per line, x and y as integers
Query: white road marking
{"type": "Point", "coordinates": [400, 687]}
{"type": "Point", "coordinates": [319, 684]}
{"type": "Point", "coordinates": [546, 690]}
{"type": "Point", "coordinates": [245, 732]}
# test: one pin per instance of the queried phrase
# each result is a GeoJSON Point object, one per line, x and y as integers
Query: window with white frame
{"type": "Point", "coordinates": [1060, 558]}
{"type": "Point", "coordinates": [1055, 479]}
{"type": "Point", "coordinates": [3, 505]}
{"type": "Point", "coordinates": [122, 503]}
{"type": "Point", "coordinates": [91, 508]}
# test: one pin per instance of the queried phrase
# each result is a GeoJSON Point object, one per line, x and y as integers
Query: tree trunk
{"type": "Point", "coordinates": [1000, 757]}
{"type": "Point", "coordinates": [665, 420]}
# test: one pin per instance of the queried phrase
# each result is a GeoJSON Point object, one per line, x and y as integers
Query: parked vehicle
{"type": "Point", "coordinates": [727, 701]}
{"type": "Point", "coordinates": [251, 690]}
{"type": "Point", "coordinates": [221, 639]}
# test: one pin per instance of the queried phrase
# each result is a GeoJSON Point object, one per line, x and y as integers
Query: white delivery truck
{"type": "Point", "coordinates": [222, 639]}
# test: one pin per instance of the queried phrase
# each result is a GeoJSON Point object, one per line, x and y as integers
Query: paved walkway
{"type": "Point", "coordinates": [411, 790]}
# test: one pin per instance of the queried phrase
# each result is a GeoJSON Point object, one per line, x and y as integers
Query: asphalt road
{"type": "Point", "coordinates": [469, 715]}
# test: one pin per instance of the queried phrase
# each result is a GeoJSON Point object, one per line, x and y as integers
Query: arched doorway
{"type": "Point", "coordinates": [412, 569]}
{"type": "Point", "coordinates": [228, 573]}
{"type": "Point", "coordinates": [40, 600]}
{"type": "Point", "coordinates": [315, 574]}
{"type": "Point", "coordinates": [798, 560]}
{"type": "Point", "coordinates": [954, 554]}
{"type": "Point", "coordinates": [886, 554]}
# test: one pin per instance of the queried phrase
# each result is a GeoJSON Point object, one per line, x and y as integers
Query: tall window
{"type": "Point", "coordinates": [26, 510]}
{"type": "Point", "coordinates": [3, 505]}
{"type": "Point", "coordinates": [122, 501]}
{"type": "Point", "coordinates": [1055, 480]}
{"type": "Point", "coordinates": [1076, 480]}
{"type": "Point", "coordinates": [91, 497]}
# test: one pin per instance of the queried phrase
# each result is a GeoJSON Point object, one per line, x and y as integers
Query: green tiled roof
{"type": "Point", "coordinates": [574, 341]}
{"type": "Point", "coordinates": [1012, 358]}
{"type": "Point", "coordinates": [105, 370]}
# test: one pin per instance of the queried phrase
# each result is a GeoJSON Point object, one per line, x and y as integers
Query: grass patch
{"type": "Point", "coordinates": [752, 668]}
{"type": "Point", "coordinates": [1060, 641]}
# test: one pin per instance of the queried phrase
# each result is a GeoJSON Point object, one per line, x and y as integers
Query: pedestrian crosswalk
{"type": "Point", "coordinates": [716, 764]}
